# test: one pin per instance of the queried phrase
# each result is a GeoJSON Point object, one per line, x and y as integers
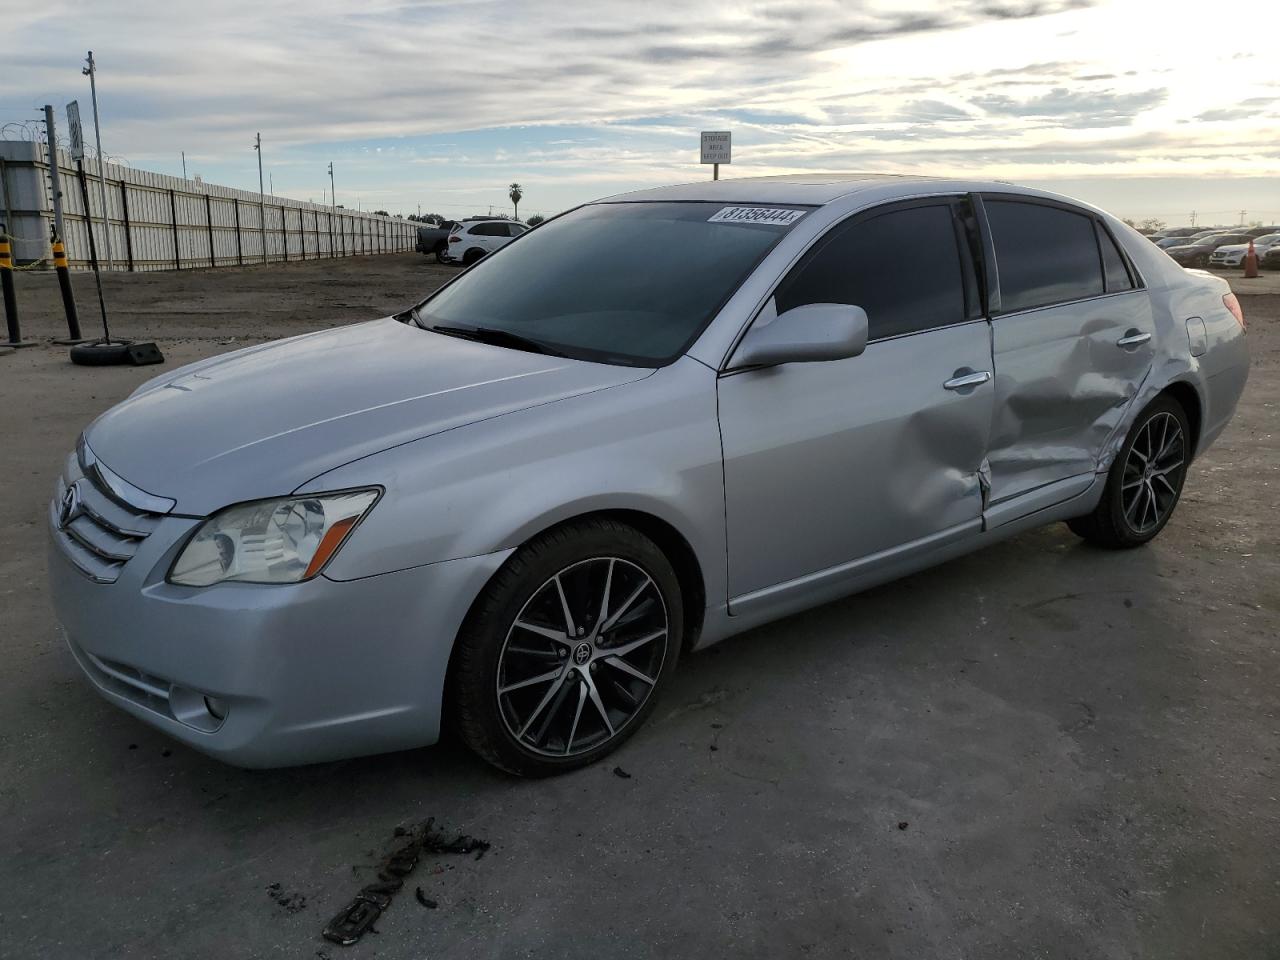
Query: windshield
{"type": "Point", "coordinates": [624, 283]}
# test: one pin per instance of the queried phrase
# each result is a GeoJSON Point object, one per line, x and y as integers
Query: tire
{"type": "Point", "coordinates": [440, 255]}
{"type": "Point", "coordinates": [584, 705]}
{"type": "Point", "coordinates": [1138, 501]}
{"type": "Point", "coordinates": [472, 256]}
{"type": "Point", "coordinates": [99, 354]}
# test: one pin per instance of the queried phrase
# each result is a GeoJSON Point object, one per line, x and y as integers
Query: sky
{"type": "Point", "coordinates": [1148, 108]}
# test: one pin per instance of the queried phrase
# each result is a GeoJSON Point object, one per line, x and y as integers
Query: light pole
{"type": "Point", "coordinates": [262, 200]}
{"type": "Point", "coordinates": [91, 71]}
{"type": "Point", "coordinates": [333, 196]}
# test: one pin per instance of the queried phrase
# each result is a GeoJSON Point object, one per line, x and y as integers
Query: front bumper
{"type": "Point", "coordinates": [269, 675]}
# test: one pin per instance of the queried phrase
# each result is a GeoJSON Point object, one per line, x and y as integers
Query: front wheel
{"type": "Point", "coordinates": [1145, 481]}
{"type": "Point", "coordinates": [564, 653]}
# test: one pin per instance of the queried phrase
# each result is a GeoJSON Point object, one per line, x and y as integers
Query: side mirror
{"type": "Point", "coordinates": [816, 331]}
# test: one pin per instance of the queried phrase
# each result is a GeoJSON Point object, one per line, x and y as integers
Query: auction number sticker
{"type": "Point", "coordinates": [776, 216]}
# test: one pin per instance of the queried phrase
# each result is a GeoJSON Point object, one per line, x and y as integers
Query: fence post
{"type": "Point", "coordinates": [239, 242]}
{"type": "Point", "coordinates": [208, 219]}
{"type": "Point", "coordinates": [173, 212]}
{"type": "Point", "coordinates": [128, 227]}
{"type": "Point", "coordinates": [284, 232]}
{"type": "Point", "coordinates": [332, 252]}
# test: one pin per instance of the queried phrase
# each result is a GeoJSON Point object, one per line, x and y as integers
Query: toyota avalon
{"type": "Point", "coordinates": [653, 422]}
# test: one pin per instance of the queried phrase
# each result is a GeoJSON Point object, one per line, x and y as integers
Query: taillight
{"type": "Point", "coordinates": [1231, 303]}
{"type": "Point", "coordinates": [455, 239]}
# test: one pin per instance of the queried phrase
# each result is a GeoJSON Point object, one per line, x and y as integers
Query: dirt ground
{"type": "Point", "coordinates": [1039, 750]}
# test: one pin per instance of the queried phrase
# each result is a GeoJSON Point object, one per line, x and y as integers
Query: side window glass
{"type": "Point", "coordinates": [1113, 267]}
{"type": "Point", "coordinates": [1044, 254]}
{"type": "Point", "coordinates": [902, 267]}
{"type": "Point", "coordinates": [514, 229]}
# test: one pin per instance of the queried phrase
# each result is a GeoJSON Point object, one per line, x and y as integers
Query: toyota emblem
{"type": "Point", "coordinates": [70, 506]}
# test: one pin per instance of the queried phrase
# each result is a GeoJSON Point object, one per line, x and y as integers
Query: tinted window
{"type": "Point", "coordinates": [514, 229]}
{"type": "Point", "coordinates": [901, 267]}
{"type": "Point", "coordinates": [490, 229]}
{"type": "Point", "coordinates": [1112, 263]}
{"type": "Point", "coordinates": [1043, 254]}
{"type": "Point", "coordinates": [630, 283]}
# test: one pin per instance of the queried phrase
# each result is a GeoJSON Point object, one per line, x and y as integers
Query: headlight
{"type": "Point", "coordinates": [271, 541]}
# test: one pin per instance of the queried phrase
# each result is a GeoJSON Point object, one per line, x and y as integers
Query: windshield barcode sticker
{"type": "Point", "coordinates": [771, 215]}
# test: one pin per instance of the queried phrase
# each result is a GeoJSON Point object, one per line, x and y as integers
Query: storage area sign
{"type": "Point", "coordinates": [716, 146]}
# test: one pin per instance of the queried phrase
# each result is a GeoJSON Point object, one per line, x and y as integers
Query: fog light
{"type": "Point", "coordinates": [217, 708]}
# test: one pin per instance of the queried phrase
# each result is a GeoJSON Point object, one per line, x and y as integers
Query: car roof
{"type": "Point", "coordinates": [818, 189]}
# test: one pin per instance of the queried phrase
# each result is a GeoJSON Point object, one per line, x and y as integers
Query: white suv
{"type": "Point", "coordinates": [472, 239]}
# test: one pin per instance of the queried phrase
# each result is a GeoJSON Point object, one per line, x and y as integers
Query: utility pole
{"type": "Point", "coordinates": [184, 164]}
{"type": "Point", "coordinates": [1242, 213]}
{"type": "Point", "coordinates": [54, 179]}
{"type": "Point", "coordinates": [91, 71]}
{"type": "Point", "coordinates": [1193, 218]}
{"type": "Point", "coordinates": [332, 189]}
{"type": "Point", "coordinates": [271, 180]}
{"type": "Point", "coordinates": [257, 145]}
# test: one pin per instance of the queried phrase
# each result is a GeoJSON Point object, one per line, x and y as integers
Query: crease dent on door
{"type": "Point", "coordinates": [1068, 393]}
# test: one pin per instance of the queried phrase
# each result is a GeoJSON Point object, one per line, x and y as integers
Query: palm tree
{"type": "Point", "coordinates": [516, 194]}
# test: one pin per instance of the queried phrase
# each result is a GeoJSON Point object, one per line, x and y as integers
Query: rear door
{"type": "Point", "coordinates": [1071, 338]}
{"type": "Point", "coordinates": [830, 463]}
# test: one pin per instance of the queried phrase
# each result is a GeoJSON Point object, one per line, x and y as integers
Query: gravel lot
{"type": "Point", "coordinates": [1040, 750]}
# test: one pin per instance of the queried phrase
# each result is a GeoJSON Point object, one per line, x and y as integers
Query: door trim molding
{"type": "Point", "coordinates": [843, 578]}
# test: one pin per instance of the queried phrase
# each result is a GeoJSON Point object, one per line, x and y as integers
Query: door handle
{"type": "Point", "coordinates": [967, 380]}
{"type": "Point", "coordinates": [1133, 339]}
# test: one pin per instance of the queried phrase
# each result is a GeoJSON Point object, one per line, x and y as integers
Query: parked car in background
{"type": "Point", "coordinates": [1261, 231]}
{"type": "Point", "coordinates": [434, 239]}
{"type": "Point", "coordinates": [1197, 253]}
{"type": "Point", "coordinates": [660, 419]}
{"type": "Point", "coordinates": [1176, 232]}
{"type": "Point", "coordinates": [1164, 243]}
{"type": "Point", "coordinates": [473, 239]}
{"type": "Point", "coordinates": [1233, 254]}
{"type": "Point", "coordinates": [1271, 261]}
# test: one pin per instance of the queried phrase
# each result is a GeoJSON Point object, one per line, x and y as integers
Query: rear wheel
{"type": "Point", "coordinates": [472, 256]}
{"type": "Point", "coordinates": [441, 252]}
{"type": "Point", "coordinates": [1145, 482]}
{"type": "Point", "coordinates": [563, 655]}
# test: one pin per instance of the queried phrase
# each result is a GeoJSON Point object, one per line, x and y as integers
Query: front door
{"type": "Point", "coordinates": [1071, 343]}
{"type": "Point", "coordinates": [831, 462]}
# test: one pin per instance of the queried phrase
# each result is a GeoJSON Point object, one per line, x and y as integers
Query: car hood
{"type": "Point", "coordinates": [261, 422]}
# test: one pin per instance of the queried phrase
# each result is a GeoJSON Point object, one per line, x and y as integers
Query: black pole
{"type": "Point", "coordinates": [239, 243]}
{"type": "Point", "coordinates": [284, 232]}
{"type": "Point", "coordinates": [93, 248]}
{"type": "Point", "coordinates": [9, 296]}
{"type": "Point", "coordinates": [208, 219]}
{"type": "Point", "coordinates": [68, 296]}
{"type": "Point", "coordinates": [128, 229]}
{"type": "Point", "coordinates": [173, 213]}
{"type": "Point", "coordinates": [332, 252]}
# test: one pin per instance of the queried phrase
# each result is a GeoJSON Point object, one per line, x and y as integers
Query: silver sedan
{"type": "Point", "coordinates": [650, 423]}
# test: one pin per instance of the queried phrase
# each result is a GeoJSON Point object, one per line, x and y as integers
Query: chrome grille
{"type": "Point", "coordinates": [101, 525]}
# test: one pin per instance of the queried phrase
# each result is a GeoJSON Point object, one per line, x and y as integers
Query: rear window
{"type": "Point", "coordinates": [627, 283]}
{"type": "Point", "coordinates": [1044, 254]}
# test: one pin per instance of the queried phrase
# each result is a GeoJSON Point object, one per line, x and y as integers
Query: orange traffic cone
{"type": "Point", "coordinates": [1251, 263]}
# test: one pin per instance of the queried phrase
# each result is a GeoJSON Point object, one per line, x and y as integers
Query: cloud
{"type": "Point", "coordinates": [1076, 108]}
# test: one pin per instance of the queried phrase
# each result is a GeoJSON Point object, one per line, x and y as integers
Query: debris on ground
{"type": "Point", "coordinates": [292, 902]}
{"type": "Point", "coordinates": [619, 772]}
{"type": "Point", "coordinates": [358, 916]}
{"type": "Point", "coordinates": [903, 824]}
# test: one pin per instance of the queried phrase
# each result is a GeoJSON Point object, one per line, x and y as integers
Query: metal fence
{"type": "Point", "coordinates": [158, 222]}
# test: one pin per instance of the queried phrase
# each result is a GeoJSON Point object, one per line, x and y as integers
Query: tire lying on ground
{"type": "Point", "coordinates": [99, 354]}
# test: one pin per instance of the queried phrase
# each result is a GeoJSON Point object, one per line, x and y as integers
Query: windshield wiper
{"type": "Point", "coordinates": [499, 338]}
